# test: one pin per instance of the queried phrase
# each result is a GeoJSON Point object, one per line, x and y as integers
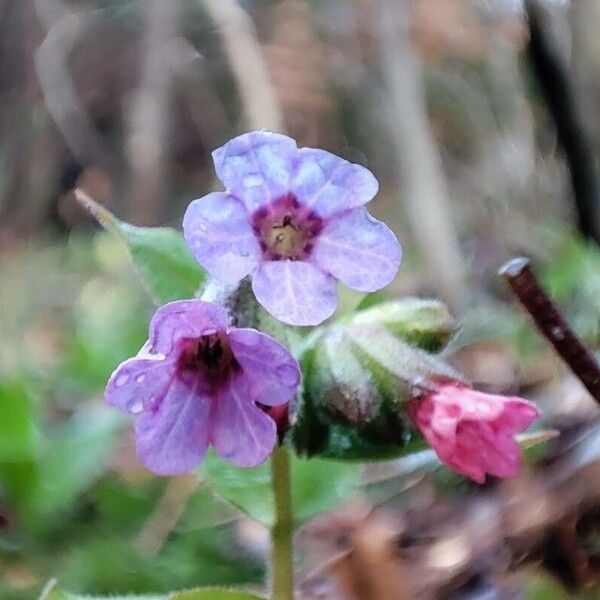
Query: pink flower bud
{"type": "Point", "coordinates": [472, 432]}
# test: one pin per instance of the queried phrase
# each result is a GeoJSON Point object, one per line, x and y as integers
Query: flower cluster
{"type": "Point", "coordinates": [294, 220]}
{"type": "Point", "coordinates": [472, 432]}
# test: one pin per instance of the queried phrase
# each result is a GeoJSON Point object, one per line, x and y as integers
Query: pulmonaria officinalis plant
{"type": "Point", "coordinates": [294, 219]}
{"type": "Point", "coordinates": [196, 383]}
{"type": "Point", "coordinates": [470, 431]}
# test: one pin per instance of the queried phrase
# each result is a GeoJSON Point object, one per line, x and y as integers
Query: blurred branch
{"type": "Point", "coordinates": [149, 111]}
{"type": "Point", "coordinates": [27, 164]}
{"type": "Point", "coordinates": [560, 95]}
{"type": "Point", "coordinates": [244, 53]}
{"type": "Point", "coordinates": [418, 159]}
{"type": "Point", "coordinates": [168, 510]}
{"type": "Point", "coordinates": [62, 100]}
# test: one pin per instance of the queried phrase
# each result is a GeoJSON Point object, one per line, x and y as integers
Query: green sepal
{"type": "Point", "coordinates": [359, 373]}
{"type": "Point", "coordinates": [424, 323]}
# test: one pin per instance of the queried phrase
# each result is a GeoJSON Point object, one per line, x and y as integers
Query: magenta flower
{"type": "Point", "coordinates": [196, 383]}
{"type": "Point", "coordinates": [294, 219]}
{"type": "Point", "coordinates": [472, 432]}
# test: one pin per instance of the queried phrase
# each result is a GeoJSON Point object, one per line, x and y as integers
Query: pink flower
{"type": "Point", "coordinates": [196, 383]}
{"type": "Point", "coordinates": [294, 219]}
{"type": "Point", "coordinates": [472, 432]}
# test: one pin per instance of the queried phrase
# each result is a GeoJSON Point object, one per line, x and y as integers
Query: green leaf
{"type": "Point", "coordinates": [18, 430]}
{"type": "Point", "coordinates": [52, 592]}
{"type": "Point", "coordinates": [543, 587]}
{"type": "Point", "coordinates": [317, 486]}
{"type": "Point", "coordinates": [75, 455]}
{"type": "Point", "coordinates": [56, 593]}
{"type": "Point", "coordinates": [213, 594]}
{"type": "Point", "coordinates": [19, 447]}
{"type": "Point", "coordinates": [205, 510]}
{"type": "Point", "coordinates": [160, 255]}
{"type": "Point", "coordinates": [66, 462]}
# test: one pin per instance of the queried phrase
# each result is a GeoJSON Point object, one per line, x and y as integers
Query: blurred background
{"type": "Point", "coordinates": [481, 120]}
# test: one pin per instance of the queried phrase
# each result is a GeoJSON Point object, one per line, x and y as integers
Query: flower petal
{"type": "Point", "coordinates": [184, 319]}
{"type": "Point", "coordinates": [271, 371]}
{"type": "Point", "coordinates": [489, 451]}
{"type": "Point", "coordinates": [240, 432]}
{"type": "Point", "coordinates": [359, 250]}
{"type": "Point", "coordinates": [256, 167]}
{"type": "Point", "coordinates": [173, 438]}
{"type": "Point", "coordinates": [518, 415]}
{"type": "Point", "coordinates": [217, 230]}
{"type": "Point", "coordinates": [139, 383]}
{"type": "Point", "coordinates": [329, 184]}
{"type": "Point", "coordinates": [461, 461]}
{"type": "Point", "coordinates": [295, 292]}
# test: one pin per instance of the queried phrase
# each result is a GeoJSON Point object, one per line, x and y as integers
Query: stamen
{"type": "Point", "coordinates": [285, 228]}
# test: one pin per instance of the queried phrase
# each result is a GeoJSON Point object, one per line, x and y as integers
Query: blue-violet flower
{"type": "Point", "coordinates": [196, 383]}
{"type": "Point", "coordinates": [294, 219]}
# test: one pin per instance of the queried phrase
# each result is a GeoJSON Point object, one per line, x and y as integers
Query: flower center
{"type": "Point", "coordinates": [209, 354]}
{"type": "Point", "coordinates": [285, 230]}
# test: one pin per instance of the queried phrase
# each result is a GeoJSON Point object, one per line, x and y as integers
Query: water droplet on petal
{"type": "Point", "coordinates": [136, 407]}
{"type": "Point", "coordinates": [122, 380]}
{"type": "Point", "coordinates": [252, 180]}
{"type": "Point", "coordinates": [140, 378]}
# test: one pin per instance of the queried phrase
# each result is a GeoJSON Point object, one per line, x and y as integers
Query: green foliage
{"type": "Point", "coordinates": [42, 473]}
{"type": "Point", "coordinates": [75, 499]}
{"type": "Point", "coordinates": [75, 455]}
{"type": "Point", "coordinates": [359, 372]}
{"type": "Point", "coordinates": [544, 587]}
{"type": "Point", "coordinates": [18, 429]}
{"type": "Point", "coordinates": [212, 593]}
{"type": "Point", "coordinates": [159, 254]}
{"type": "Point", "coordinates": [572, 277]}
{"type": "Point", "coordinates": [317, 485]}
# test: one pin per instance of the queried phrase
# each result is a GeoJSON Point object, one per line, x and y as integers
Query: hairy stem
{"type": "Point", "coordinates": [282, 554]}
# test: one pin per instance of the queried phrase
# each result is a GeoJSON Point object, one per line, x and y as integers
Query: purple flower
{"type": "Point", "coordinates": [196, 383]}
{"type": "Point", "coordinates": [294, 219]}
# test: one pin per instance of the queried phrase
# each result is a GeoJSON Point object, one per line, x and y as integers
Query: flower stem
{"type": "Point", "coordinates": [282, 553]}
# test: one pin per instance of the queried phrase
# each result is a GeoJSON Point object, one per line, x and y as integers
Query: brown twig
{"type": "Point", "coordinates": [551, 323]}
{"type": "Point", "coordinates": [166, 514]}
